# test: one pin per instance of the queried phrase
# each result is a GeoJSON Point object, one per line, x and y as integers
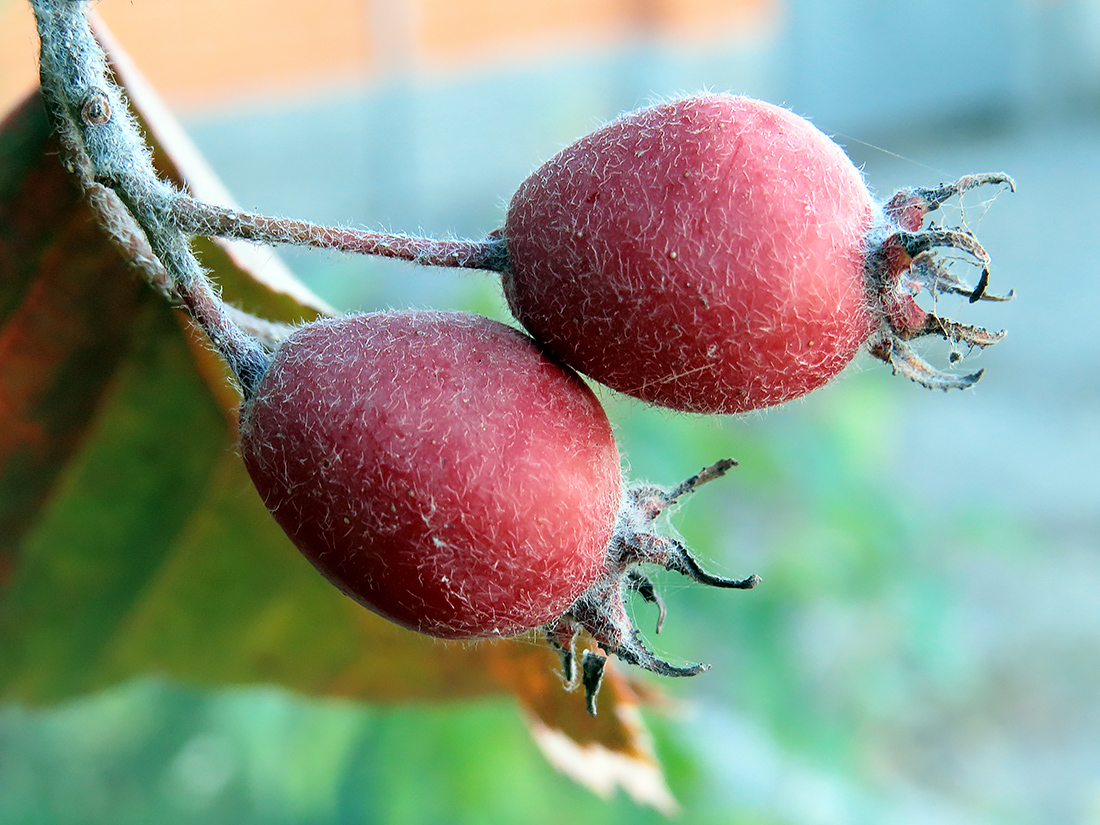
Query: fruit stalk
{"type": "Point", "coordinates": [200, 218]}
{"type": "Point", "coordinates": [103, 147]}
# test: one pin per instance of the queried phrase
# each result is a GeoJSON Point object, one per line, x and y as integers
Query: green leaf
{"type": "Point", "coordinates": [67, 304]}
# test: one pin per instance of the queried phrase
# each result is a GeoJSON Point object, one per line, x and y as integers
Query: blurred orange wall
{"type": "Point", "coordinates": [212, 52]}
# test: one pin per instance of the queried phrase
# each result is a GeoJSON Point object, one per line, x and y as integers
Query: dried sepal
{"type": "Point", "coordinates": [908, 206]}
{"type": "Point", "coordinates": [601, 610]}
{"type": "Point", "coordinates": [907, 363]}
{"type": "Point", "coordinates": [902, 261]}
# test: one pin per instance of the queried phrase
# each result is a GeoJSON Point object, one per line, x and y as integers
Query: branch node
{"type": "Point", "coordinates": [96, 109]}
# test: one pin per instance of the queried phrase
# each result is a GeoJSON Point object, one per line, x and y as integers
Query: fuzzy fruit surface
{"type": "Point", "coordinates": [437, 468]}
{"type": "Point", "coordinates": [705, 254]}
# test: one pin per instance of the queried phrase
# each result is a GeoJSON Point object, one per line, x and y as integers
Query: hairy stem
{"type": "Point", "coordinates": [200, 218]}
{"type": "Point", "coordinates": [103, 147]}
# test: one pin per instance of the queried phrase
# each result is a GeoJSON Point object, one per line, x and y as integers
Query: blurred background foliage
{"type": "Point", "coordinates": [926, 643]}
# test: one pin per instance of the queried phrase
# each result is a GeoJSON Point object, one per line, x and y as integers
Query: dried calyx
{"type": "Point", "coordinates": [900, 262]}
{"type": "Point", "coordinates": [601, 609]}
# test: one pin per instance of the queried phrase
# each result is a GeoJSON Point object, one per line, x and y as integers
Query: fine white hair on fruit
{"type": "Point", "coordinates": [720, 254]}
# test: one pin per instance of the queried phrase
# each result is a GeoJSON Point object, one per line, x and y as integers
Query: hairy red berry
{"type": "Point", "coordinates": [445, 473]}
{"type": "Point", "coordinates": [721, 254]}
{"type": "Point", "coordinates": [437, 468]}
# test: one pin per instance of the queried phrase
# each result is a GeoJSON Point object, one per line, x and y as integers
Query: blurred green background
{"type": "Point", "coordinates": [926, 643]}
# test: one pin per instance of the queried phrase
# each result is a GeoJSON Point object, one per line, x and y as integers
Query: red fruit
{"type": "Point", "coordinates": [442, 471]}
{"type": "Point", "coordinates": [437, 468]}
{"type": "Point", "coordinates": [720, 254]}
